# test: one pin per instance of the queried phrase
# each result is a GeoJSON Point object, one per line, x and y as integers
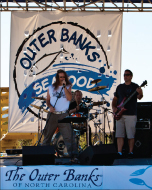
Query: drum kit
{"type": "Point", "coordinates": [78, 121]}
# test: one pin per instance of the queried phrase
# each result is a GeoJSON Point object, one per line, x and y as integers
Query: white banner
{"type": "Point", "coordinates": [127, 177]}
{"type": "Point", "coordinates": [51, 177]}
{"type": "Point", "coordinates": [86, 45]}
{"type": "Point", "coordinates": [76, 177]}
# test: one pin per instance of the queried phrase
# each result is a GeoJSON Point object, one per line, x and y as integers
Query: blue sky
{"type": "Point", "coordinates": [136, 49]}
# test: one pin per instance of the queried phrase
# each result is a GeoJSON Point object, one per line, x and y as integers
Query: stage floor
{"type": "Point", "coordinates": [16, 160]}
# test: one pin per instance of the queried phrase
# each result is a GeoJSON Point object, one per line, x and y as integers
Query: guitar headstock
{"type": "Point", "coordinates": [143, 84]}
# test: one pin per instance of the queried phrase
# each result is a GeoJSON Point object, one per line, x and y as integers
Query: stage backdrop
{"type": "Point", "coordinates": [86, 45]}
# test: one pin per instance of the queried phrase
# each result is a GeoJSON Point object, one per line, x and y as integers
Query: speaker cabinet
{"type": "Point", "coordinates": [144, 110]}
{"type": "Point", "coordinates": [142, 147]}
{"type": "Point", "coordinates": [98, 155]}
{"type": "Point", "coordinates": [143, 124]}
{"type": "Point", "coordinates": [13, 151]}
{"type": "Point", "coordinates": [38, 155]}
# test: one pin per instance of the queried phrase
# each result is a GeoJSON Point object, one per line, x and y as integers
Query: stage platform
{"type": "Point", "coordinates": [124, 174]}
{"type": "Point", "coordinates": [16, 160]}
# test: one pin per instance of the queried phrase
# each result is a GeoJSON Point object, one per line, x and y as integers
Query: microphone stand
{"type": "Point", "coordinates": [110, 136]}
{"type": "Point", "coordinates": [40, 117]}
{"type": "Point", "coordinates": [88, 135]}
{"type": "Point", "coordinates": [49, 118]}
{"type": "Point", "coordinates": [105, 115]}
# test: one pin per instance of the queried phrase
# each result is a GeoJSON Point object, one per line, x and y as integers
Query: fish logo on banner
{"type": "Point", "coordinates": [69, 46]}
{"type": "Point", "coordinates": [143, 180]}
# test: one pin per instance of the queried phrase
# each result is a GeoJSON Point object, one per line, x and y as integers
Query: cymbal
{"type": "Point", "coordinates": [96, 81]}
{"type": "Point", "coordinates": [38, 107]}
{"type": "Point", "coordinates": [99, 103]}
{"type": "Point", "coordinates": [40, 98]}
{"type": "Point", "coordinates": [97, 88]}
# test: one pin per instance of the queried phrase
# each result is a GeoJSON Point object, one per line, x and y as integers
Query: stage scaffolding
{"type": "Point", "coordinates": [78, 5]}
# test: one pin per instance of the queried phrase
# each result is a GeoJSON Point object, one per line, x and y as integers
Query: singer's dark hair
{"type": "Point", "coordinates": [57, 82]}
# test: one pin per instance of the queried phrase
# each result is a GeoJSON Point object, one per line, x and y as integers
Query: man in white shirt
{"type": "Point", "coordinates": [58, 99]}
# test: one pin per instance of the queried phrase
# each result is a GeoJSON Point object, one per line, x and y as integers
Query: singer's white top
{"type": "Point", "coordinates": [62, 103]}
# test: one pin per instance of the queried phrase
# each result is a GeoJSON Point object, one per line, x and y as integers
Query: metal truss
{"type": "Point", "coordinates": [79, 5]}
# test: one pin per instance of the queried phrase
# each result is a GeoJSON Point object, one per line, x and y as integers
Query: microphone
{"type": "Point", "coordinates": [63, 85]}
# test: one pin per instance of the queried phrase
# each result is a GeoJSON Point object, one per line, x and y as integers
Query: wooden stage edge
{"type": "Point", "coordinates": [16, 160]}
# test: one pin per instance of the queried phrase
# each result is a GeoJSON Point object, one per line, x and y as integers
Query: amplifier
{"type": "Point", "coordinates": [144, 110]}
{"type": "Point", "coordinates": [143, 124]}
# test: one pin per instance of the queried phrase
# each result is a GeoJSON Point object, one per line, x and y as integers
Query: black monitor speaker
{"type": "Point", "coordinates": [143, 143]}
{"type": "Point", "coordinates": [98, 155]}
{"type": "Point", "coordinates": [38, 155]}
{"type": "Point", "coordinates": [144, 110]}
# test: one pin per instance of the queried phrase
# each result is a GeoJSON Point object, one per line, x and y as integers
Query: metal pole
{"type": "Point", "coordinates": [0, 49]}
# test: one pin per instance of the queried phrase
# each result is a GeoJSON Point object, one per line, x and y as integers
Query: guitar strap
{"type": "Point", "coordinates": [129, 90]}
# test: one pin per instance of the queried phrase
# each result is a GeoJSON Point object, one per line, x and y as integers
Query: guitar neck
{"type": "Point", "coordinates": [143, 84]}
{"type": "Point", "coordinates": [129, 98]}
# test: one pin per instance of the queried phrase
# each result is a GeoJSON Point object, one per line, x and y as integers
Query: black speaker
{"type": "Point", "coordinates": [98, 155]}
{"type": "Point", "coordinates": [143, 124]}
{"type": "Point", "coordinates": [144, 110]}
{"type": "Point", "coordinates": [13, 151]}
{"type": "Point", "coordinates": [38, 155]}
{"type": "Point", "coordinates": [142, 147]}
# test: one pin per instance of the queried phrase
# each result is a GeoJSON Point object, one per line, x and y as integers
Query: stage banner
{"type": "Point", "coordinates": [76, 177]}
{"type": "Point", "coordinates": [86, 45]}
{"type": "Point", "coordinates": [127, 177]}
{"type": "Point", "coordinates": [51, 177]}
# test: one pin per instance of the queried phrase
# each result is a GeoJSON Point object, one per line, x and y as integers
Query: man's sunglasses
{"type": "Point", "coordinates": [126, 75]}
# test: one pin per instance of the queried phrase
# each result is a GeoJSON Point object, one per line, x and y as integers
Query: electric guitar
{"type": "Point", "coordinates": [120, 107]}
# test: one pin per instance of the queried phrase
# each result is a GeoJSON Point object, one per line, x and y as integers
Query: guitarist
{"type": "Point", "coordinates": [126, 123]}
